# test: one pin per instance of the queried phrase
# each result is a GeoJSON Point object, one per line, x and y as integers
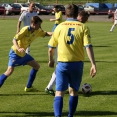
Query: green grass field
{"type": "Point", "coordinates": [14, 102]}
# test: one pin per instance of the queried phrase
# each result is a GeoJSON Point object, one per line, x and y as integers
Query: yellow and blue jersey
{"type": "Point", "coordinates": [70, 37]}
{"type": "Point", "coordinates": [24, 38]}
{"type": "Point", "coordinates": [58, 15]}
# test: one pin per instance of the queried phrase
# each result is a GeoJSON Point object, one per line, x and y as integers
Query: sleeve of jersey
{"type": "Point", "coordinates": [41, 33]}
{"type": "Point", "coordinates": [22, 16]}
{"type": "Point", "coordinates": [53, 42]}
{"type": "Point", "coordinates": [87, 37]}
{"type": "Point", "coordinates": [21, 34]}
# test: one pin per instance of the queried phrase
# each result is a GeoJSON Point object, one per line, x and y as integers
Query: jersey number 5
{"type": "Point", "coordinates": [71, 35]}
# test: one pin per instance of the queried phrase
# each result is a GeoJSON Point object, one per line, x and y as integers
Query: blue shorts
{"type": "Point", "coordinates": [68, 74]}
{"type": "Point", "coordinates": [55, 25]}
{"type": "Point", "coordinates": [15, 60]}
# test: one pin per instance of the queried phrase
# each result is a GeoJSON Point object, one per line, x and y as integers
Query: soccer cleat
{"type": "Point", "coordinates": [31, 89]}
{"type": "Point", "coordinates": [51, 92]}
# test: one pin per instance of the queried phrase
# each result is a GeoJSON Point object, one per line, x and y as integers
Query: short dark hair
{"type": "Point", "coordinates": [36, 19]}
{"type": "Point", "coordinates": [71, 10]}
{"type": "Point", "coordinates": [84, 13]}
{"type": "Point", "coordinates": [56, 6]}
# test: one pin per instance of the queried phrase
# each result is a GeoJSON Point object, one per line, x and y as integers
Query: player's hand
{"type": "Point", "coordinates": [51, 19]}
{"type": "Point", "coordinates": [51, 64]}
{"type": "Point", "coordinates": [21, 50]}
{"type": "Point", "coordinates": [93, 71]}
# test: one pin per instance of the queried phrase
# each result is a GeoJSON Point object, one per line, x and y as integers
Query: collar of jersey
{"type": "Point", "coordinates": [29, 28]}
{"type": "Point", "coordinates": [71, 19]}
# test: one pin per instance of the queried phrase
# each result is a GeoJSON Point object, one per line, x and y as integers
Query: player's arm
{"type": "Point", "coordinates": [17, 46]}
{"type": "Point", "coordinates": [18, 37]}
{"type": "Point", "coordinates": [55, 19]}
{"type": "Point", "coordinates": [18, 26]}
{"type": "Point", "coordinates": [50, 56]}
{"type": "Point", "coordinates": [90, 54]}
{"type": "Point", "coordinates": [21, 18]}
{"type": "Point", "coordinates": [49, 33]}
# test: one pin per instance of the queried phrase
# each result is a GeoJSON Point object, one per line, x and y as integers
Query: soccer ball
{"type": "Point", "coordinates": [86, 88]}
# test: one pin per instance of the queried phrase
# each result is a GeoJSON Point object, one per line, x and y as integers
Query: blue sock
{"type": "Point", "coordinates": [73, 101]}
{"type": "Point", "coordinates": [58, 105]}
{"type": "Point", "coordinates": [3, 77]}
{"type": "Point", "coordinates": [31, 78]}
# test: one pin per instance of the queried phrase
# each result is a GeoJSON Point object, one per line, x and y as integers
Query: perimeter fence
{"type": "Point", "coordinates": [46, 2]}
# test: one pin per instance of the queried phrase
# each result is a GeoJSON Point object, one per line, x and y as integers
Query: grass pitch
{"type": "Point", "coordinates": [14, 102]}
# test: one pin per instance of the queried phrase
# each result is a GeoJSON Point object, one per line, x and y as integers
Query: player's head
{"type": "Point", "coordinates": [83, 16]}
{"type": "Point", "coordinates": [71, 11]}
{"type": "Point", "coordinates": [31, 6]}
{"type": "Point", "coordinates": [56, 8]}
{"type": "Point", "coordinates": [36, 22]}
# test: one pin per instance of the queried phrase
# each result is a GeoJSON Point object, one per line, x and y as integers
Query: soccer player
{"type": "Point", "coordinates": [26, 19]}
{"type": "Point", "coordinates": [70, 37]}
{"type": "Point", "coordinates": [58, 20]}
{"type": "Point", "coordinates": [82, 17]}
{"type": "Point", "coordinates": [18, 55]}
{"type": "Point", "coordinates": [58, 17]}
{"type": "Point", "coordinates": [115, 21]}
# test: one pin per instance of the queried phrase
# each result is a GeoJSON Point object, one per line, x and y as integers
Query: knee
{"type": "Point", "coordinates": [72, 92]}
{"type": "Point", "coordinates": [37, 67]}
{"type": "Point", "coordinates": [9, 71]}
{"type": "Point", "coordinates": [60, 93]}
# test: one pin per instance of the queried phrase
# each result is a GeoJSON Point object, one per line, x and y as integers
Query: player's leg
{"type": "Point", "coordinates": [55, 25]}
{"type": "Point", "coordinates": [113, 26]}
{"type": "Point", "coordinates": [74, 84]}
{"type": "Point", "coordinates": [58, 103]}
{"type": "Point", "coordinates": [73, 101]}
{"type": "Point", "coordinates": [49, 88]}
{"type": "Point", "coordinates": [61, 87]}
{"type": "Point", "coordinates": [10, 69]}
{"type": "Point", "coordinates": [4, 76]}
{"type": "Point", "coordinates": [35, 67]}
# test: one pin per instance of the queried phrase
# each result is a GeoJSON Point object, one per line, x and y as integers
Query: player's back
{"type": "Point", "coordinates": [71, 37]}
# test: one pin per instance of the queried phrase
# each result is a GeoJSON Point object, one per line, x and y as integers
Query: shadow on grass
{"type": "Point", "coordinates": [84, 61]}
{"type": "Point", "coordinates": [101, 46]}
{"type": "Point", "coordinates": [97, 93]}
{"type": "Point", "coordinates": [25, 94]}
{"type": "Point", "coordinates": [51, 114]}
{"type": "Point", "coordinates": [67, 92]}
{"type": "Point", "coordinates": [104, 93]}
{"type": "Point", "coordinates": [103, 61]}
